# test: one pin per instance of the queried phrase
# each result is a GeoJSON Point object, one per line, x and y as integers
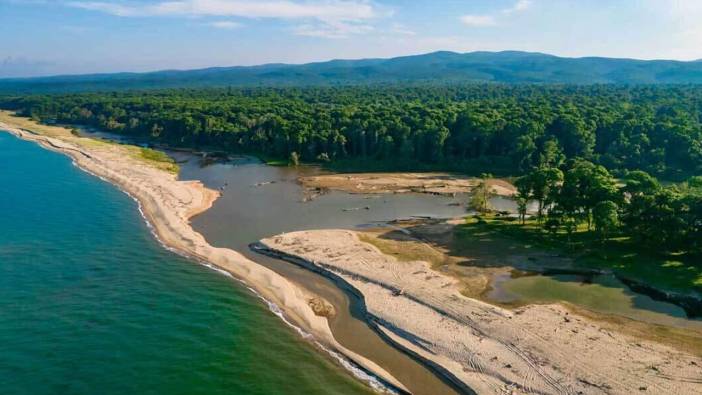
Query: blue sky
{"type": "Point", "coordinates": [42, 37]}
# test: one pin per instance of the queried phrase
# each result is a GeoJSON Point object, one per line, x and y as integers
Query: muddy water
{"type": "Point", "coordinates": [260, 201]}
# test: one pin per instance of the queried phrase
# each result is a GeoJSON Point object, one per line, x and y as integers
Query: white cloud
{"type": "Point", "coordinates": [226, 25]}
{"type": "Point", "coordinates": [492, 20]}
{"type": "Point", "coordinates": [114, 9]}
{"type": "Point", "coordinates": [332, 29]}
{"type": "Point", "coordinates": [479, 20]}
{"type": "Point", "coordinates": [519, 6]}
{"type": "Point", "coordinates": [285, 9]}
{"type": "Point", "coordinates": [322, 18]}
{"type": "Point", "coordinates": [400, 29]}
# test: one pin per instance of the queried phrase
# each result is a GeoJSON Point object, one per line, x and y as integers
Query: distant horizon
{"type": "Point", "coordinates": [338, 59]}
{"type": "Point", "coordinates": [78, 37]}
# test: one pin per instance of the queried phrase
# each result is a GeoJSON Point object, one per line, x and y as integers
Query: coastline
{"type": "Point", "coordinates": [377, 324]}
{"type": "Point", "coordinates": [459, 341]}
{"type": "Point", "coordinates": [534, 349]}
{"type": "Point", "coordinates": [167, 205]}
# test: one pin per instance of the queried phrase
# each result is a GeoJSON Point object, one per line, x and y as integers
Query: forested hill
{"type": "Point", "coordinates": [442, 67]}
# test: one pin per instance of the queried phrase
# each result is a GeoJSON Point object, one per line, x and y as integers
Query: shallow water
{"type": "Point", "coordinates": [90, 303]}
{"type": "Point", "coordinates": [261, 201]}
{"type": "Point", "coordinates": [600, 293]}
{"type": "Point", "coordinates": [278, 207]}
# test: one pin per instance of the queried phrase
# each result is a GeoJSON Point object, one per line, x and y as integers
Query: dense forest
{"type": "Point", "coordinates": [508, 67]}
{"type": "Point", "coordinates": [579, 193]}
{"type": "Point", "coordinates": [506, 129]}
{"type": "Point", "coordinates": [587, 154]}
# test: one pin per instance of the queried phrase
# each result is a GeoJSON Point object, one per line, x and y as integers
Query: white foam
{"type": "Point", "coordinates": [373, 381]}
{"type": "Point", "coordinates": [358, 372]}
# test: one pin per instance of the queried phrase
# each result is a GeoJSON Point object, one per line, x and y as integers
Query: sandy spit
{"type": "Point", "coordinates": [433, 183]}
{"type": "Point", "coordinates": [168, 205]}
{"type": "Point", "coordinates": [537, 349]}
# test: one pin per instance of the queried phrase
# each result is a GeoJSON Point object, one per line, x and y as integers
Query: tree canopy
{"type": "Point", "coordinates": [504, 129]}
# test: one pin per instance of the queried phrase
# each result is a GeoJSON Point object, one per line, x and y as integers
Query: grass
{"type": "Point", "coordinates": [29, 124]}
{"type": "Point", "coordinates": [674, 272]}
{"type": "Point", "coordinates": [160, 159]}
{"type": "Point", "coordinates": [403, 248]}
{"type": "Point", "coordinates": [152, 157]}
{"type": "Point", "coordinates": [271, 160]}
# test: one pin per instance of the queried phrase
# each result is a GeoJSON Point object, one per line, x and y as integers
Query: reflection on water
{"type": "Point", "coordinates": [268, 200]}
{"type": "Point", "coordinates": [260, 201]}
{"type": "Point", "coordinates": [601, 293]}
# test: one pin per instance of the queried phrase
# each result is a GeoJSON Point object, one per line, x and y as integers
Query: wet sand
{"type": "Point", "coordinates": [535, 349]}
{"type": "Point", "coordinates": [270, 200]}
{"type": "Point", "coordinates": [342, 326]}
{"type": "Point", "coordinates": [510, 273]}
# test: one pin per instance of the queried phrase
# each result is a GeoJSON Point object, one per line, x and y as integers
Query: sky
{"type": "Point", "coordinates": [47, 37]}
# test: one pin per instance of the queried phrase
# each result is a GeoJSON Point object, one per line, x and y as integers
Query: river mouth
{"type": "Point", "coordinates": [91, 302]}
{"type": "Point", "coordinates": [259, 201]}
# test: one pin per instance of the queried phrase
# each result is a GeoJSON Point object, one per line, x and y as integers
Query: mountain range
{"type": "Point", "coordinates": [509, 67]}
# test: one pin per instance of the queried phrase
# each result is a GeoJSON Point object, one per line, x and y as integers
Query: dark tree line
{"type": "Point", "coordinates": [581, 193]}
{"type": "Point", "coordinates": [508, 129]}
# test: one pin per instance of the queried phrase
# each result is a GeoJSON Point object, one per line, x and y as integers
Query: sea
{"type": "Point", "coordinates": [91, 303]}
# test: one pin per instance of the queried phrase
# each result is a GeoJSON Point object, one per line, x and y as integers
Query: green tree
{"type": "Point", "coordinates": [481, 194]}
{"type": "Point", "coordinates": [575, 135]}
{"type": "Point", "coordinates": [551, 154]}
{"type": "Point", "coordinates": [695, 182]}
{"type": "Point", "coordinates": [606, 218]}
{"type": "Point", "coordinates": [524, 186]}
{"type": "Point", "coordinates": [639, 182]}
{"type": "Point", "coordinates": [584, 186]}
{"type": "Point", "coordinates": [545, 183]}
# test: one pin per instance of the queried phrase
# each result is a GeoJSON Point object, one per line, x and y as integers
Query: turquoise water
{"type": "Point", "coordinates": [90, 303]}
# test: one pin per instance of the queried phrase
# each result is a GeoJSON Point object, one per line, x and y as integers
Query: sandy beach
{"type": "Point", "coordinates": [536, 349]}
{"type": "Point", "coordinates": [168, 204]}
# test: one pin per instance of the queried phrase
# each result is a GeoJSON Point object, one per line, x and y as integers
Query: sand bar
{"type": "Point", "coordinates": [536, 349]}
{"type": "Point", "coordinates": [434, 183]}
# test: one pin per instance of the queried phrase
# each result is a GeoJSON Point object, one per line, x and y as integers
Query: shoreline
{"type": "Point", "coordinates": [374, 322]}
{"type": "Point", "coordinates": [536, 349]}
{"type": "Point", "coordinates": [167, 205]}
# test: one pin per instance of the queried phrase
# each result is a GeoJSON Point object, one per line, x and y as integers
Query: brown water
{"type": "Point", "coordinates": [260, 201]}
